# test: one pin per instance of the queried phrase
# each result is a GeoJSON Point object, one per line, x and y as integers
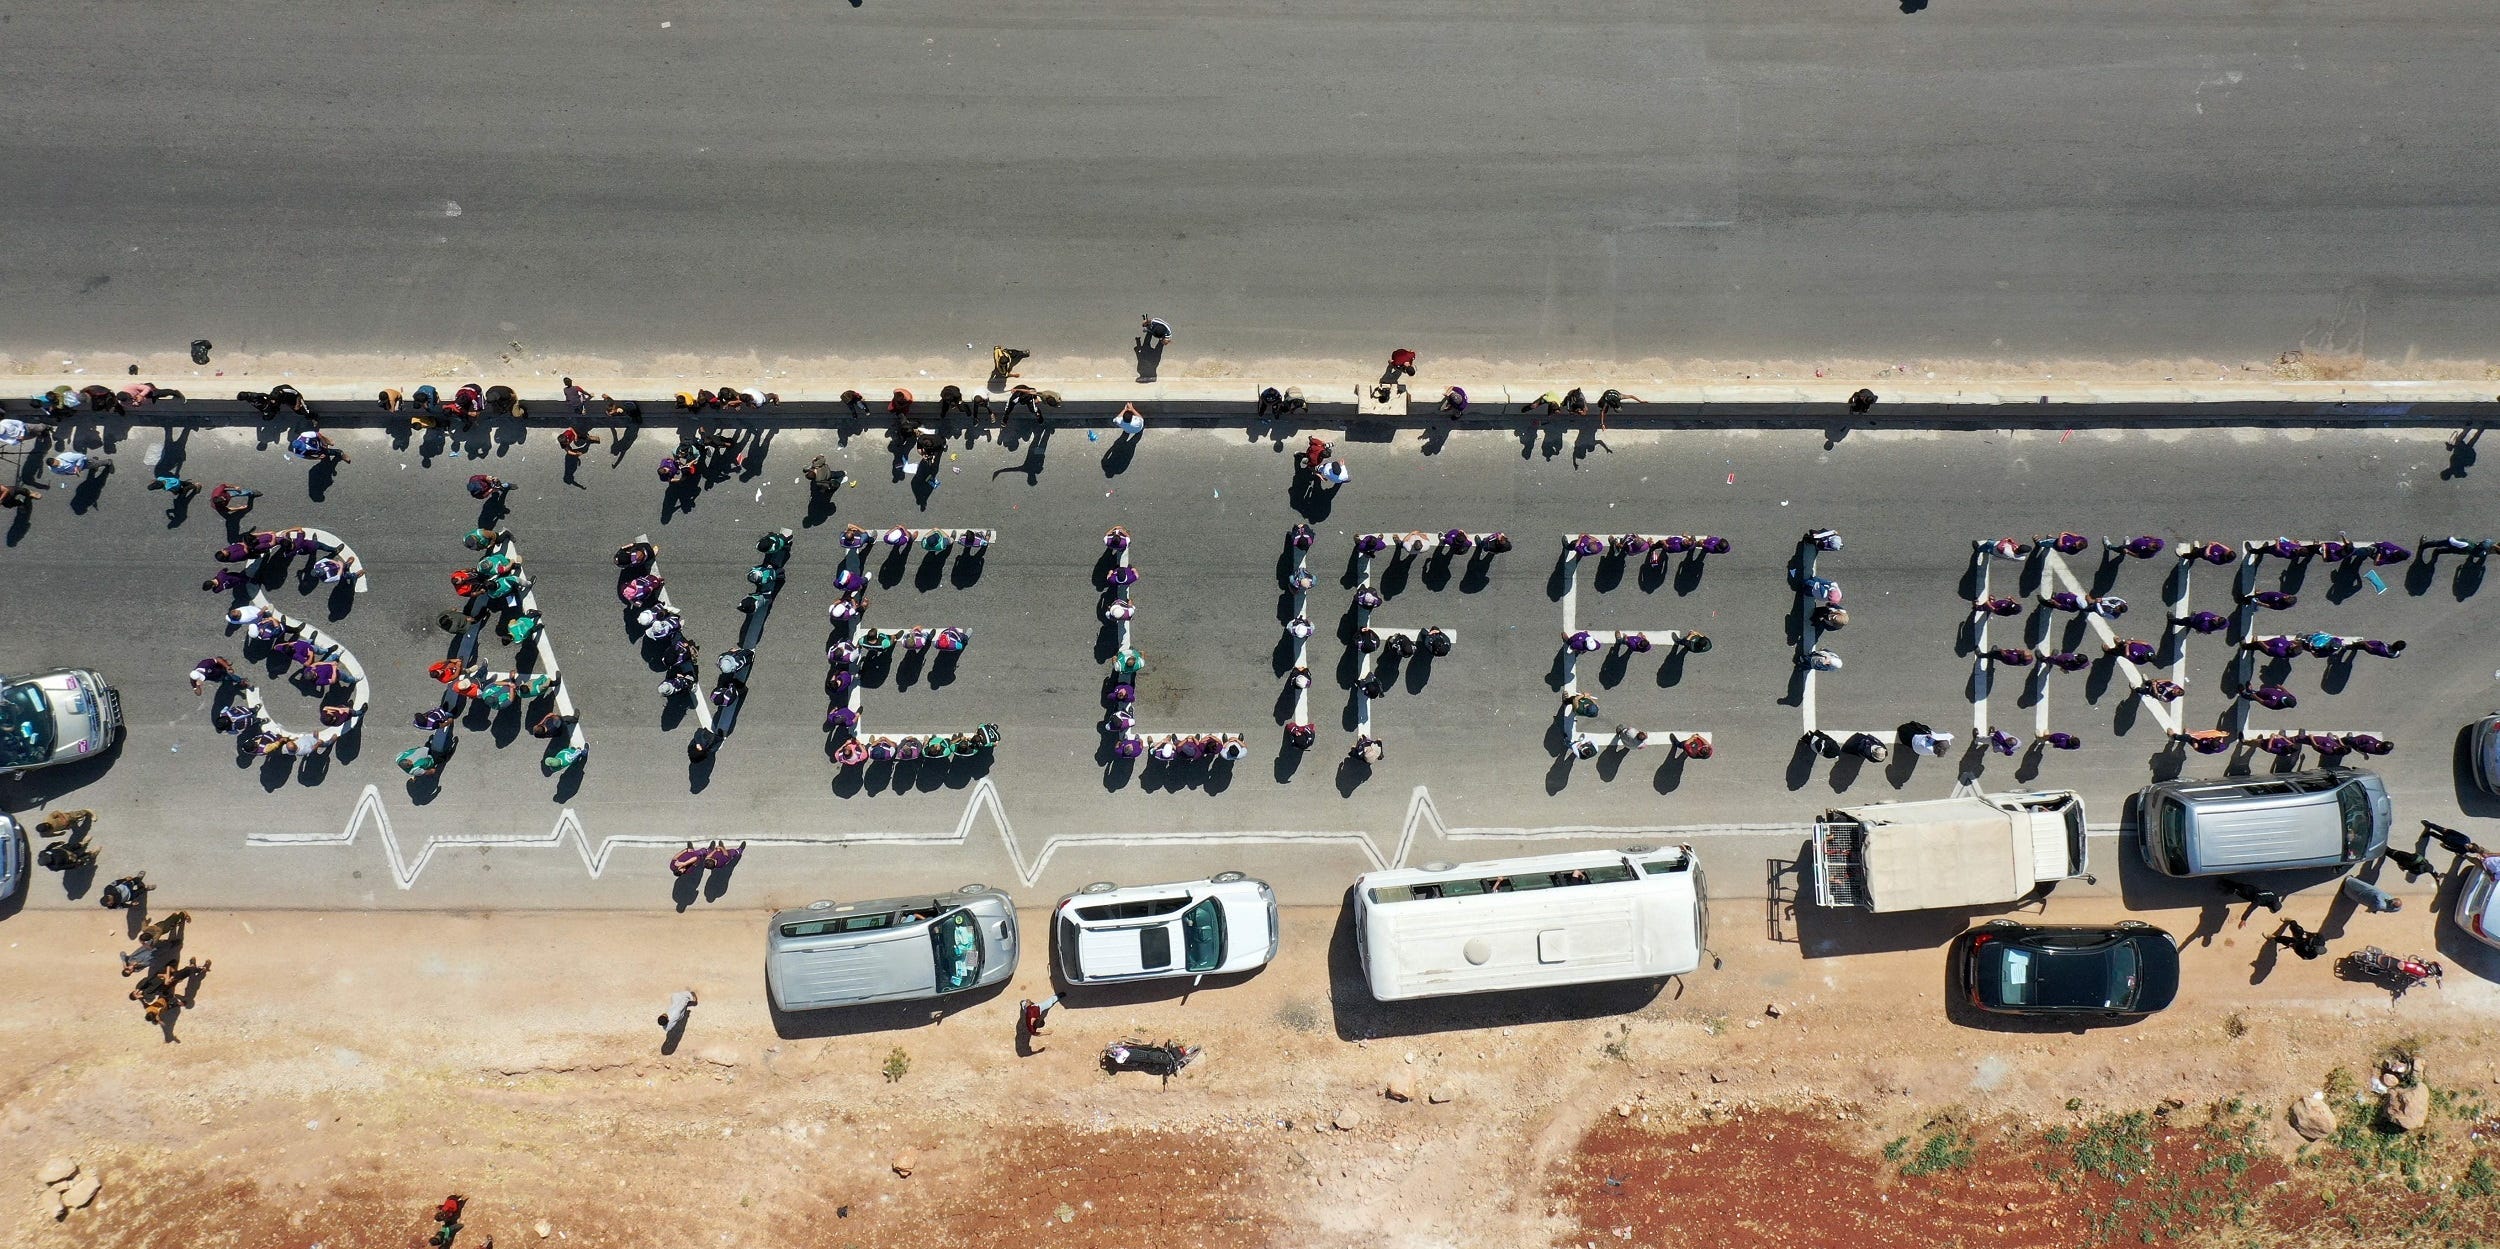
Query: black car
{"type": "Point", "coordinates": [2013, 968]}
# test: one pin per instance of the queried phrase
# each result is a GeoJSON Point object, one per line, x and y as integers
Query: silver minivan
{"type": "Point", "coordinates": [2325, 817]}
{"type": "Point", "coordinates": [889, 950]}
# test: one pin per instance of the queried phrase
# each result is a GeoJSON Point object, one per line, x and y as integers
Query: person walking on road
{"type": "Point", "coordinates": [485, 487]}
{"type": "Point", "coordinates": [679, 1003]}
{"type": "Point", "coordinates": [2255, 896]}
{"type": "Point", "coordinates": [1152, 332]}
{"type": "Point", "coordinates": [2291, 936]}
{"type": "Point", "coordinates": [230, 500]}
{"type": "Point", "coordinates": [2369, 895]}
{"type": "Point", "coordinates": [125, 893]}
{"type": "Point", "coordinates": [2414, 862]}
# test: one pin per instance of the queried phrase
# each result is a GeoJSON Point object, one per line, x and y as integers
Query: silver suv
{"type": "Point", "coordinates": [54, 717]}
{"type": "Point", "coordinates": [2325, 817]}
{"type": "Point", "coordinates": [890, 950]}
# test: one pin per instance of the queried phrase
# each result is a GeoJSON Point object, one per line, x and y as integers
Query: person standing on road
{"type": "Point", "coordinates": [1130, 422]}
{"type": "Point", "coordinates": [679, 1003]}
{"type": "Point", "coordinates": [573, 442]}
{"type": "Point", "coordinates": [483, 486]}
{"type": "Point", "coordinates": [1034, 1017]}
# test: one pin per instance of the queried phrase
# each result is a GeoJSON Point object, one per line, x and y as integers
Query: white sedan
{"type": "Point", "coordinates": [1111, 933]}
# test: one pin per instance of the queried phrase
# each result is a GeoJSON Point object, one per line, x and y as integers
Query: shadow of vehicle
{"type": "Point", "coordinates": [838, 1021]}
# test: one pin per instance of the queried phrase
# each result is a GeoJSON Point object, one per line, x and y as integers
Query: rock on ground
{"type": "Point", "coordinates": [2312, 1117]}
{"type": "Point", "coordinates": [81, 1191]}
{"type": "Point", "coordinates": [56, 1171]}
{"type": "Point", "coordinates": [2408, 1106]}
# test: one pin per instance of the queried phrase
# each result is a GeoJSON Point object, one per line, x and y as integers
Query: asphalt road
{"type": "Point", "coordinates": [104, 577]}
{"type": "Point", "coordinates": [1605, 180]}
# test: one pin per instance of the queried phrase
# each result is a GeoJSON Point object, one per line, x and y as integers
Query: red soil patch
{"type": "Point", "coordinates": [1065, 1189]}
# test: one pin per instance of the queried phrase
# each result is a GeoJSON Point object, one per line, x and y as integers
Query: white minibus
{"type": "Point", "coordinates": [1556, 919]}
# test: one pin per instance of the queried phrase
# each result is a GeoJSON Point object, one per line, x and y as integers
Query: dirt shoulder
{"type": "Point", "coordinates": [340, 1073]}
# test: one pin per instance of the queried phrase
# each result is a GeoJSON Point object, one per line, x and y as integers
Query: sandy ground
{"type": "Point", "coordinates": [340, 1072]}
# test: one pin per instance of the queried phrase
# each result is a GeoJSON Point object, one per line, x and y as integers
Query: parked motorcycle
{"type": "Point", "coordinates": [1163, 1059]}
{"type": "Point", "coordinates": [2397, 972]}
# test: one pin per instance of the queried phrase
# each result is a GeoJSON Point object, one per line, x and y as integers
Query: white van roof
{"type": "Point", "coordinates": [1535, 933]}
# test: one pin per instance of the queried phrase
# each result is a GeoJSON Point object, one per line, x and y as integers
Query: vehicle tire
{"type": "Point", "coordinates": [974, 887]}
{"type": "Point", "coordinates": [2132, 925]}
{"type": "Point", "coordinates": [1226, 878]}
{"type": "Point", "coordinates": [1100, 886]}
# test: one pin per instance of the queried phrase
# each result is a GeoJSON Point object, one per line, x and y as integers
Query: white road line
{"type": "Point", "coordinates": [1423, 818]}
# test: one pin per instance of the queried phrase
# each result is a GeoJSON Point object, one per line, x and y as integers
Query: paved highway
{"type": "Point", "coordinates": [1605, 179]}
{"type": "Point", "coordinates": [1471, 771]}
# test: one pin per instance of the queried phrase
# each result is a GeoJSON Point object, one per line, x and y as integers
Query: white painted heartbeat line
{"type": "Point", "coordinates": [1421, 815]}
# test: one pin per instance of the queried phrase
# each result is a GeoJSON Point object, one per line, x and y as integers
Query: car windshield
{"type": "Point", "coordinates": [1202, 931]}
{"type": "Point", "coordinates": [2173, 838]}
{"type": "Point", "coordinates": [958, 943]}
{"type": "Point", "coordinates": [25, 726]}
{"type": "Point", "coordinates": [2354, 805]}
{"type": "Point", "coordinates": [2091, 975]}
